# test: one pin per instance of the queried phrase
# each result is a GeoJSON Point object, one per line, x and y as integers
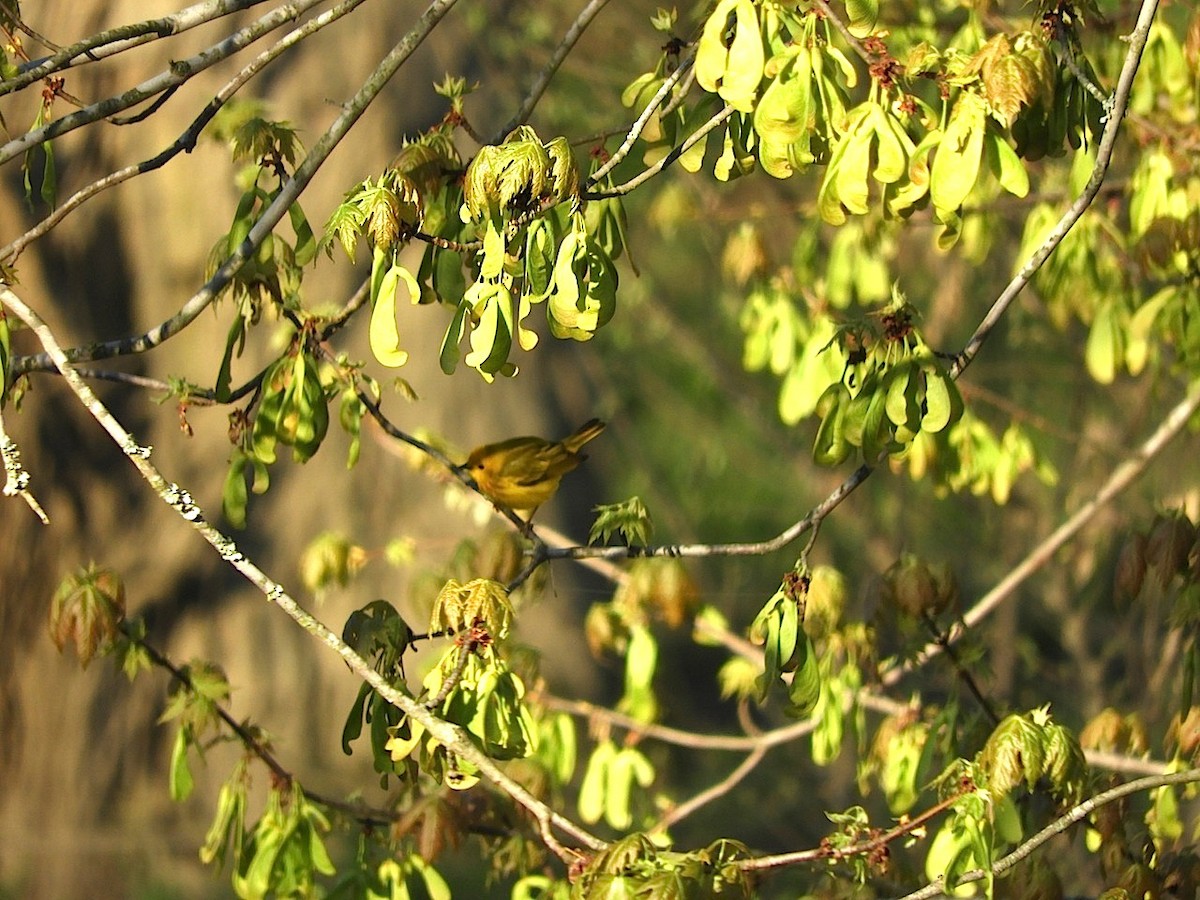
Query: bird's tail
{"type": "Point", "coordinates": [582, 435]}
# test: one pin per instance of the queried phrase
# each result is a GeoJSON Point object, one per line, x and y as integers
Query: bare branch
{"type": "Point", "coordinates": [749, 548]}
{"type": "Point", "coordinates": [1122, 477]}
{"type": "Point", "coordinates": [720, 789]}
{"type": "Point", "coordinates": [115, 40]}
{"type": "Point", "coordinates": [1058, 826]}
{"type": "Point", "coordinates": [694, 138]}
{"type": "Point", "coordinates": [288, 194]}
{"type": "Point", "coordinates": [1108, 140]}
{"type": "Point", "coordinates": [185, 142]}
{"type": "Point", "coordinates": [570, 38]}
{"type": "Point", "coordinates": [660, 97]}
{"type": "Point", "coordinates": [177, 73]}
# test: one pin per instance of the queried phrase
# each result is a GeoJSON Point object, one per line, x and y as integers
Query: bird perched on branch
{"type": "Point", "coordinates": [522, 473]}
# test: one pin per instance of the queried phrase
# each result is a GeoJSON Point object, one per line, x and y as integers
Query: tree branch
{"type": "Point", "coordinates": [271, 216]}
{"type": "Point", "coordinates": [185, 142]}
{"type": "Point", "coordinates": [570, 38]}
{"type": "Point", "coordinates": [16, 479]}
{"type": "Point", "coordinates": [124, 37]}
{"type": "Point", "coordinates": [1058, 826]}
{"type": "Point", "coordinates": [718, 790]}
{"type": "Point", "coordinates": [694, 138]}
{"type": "Point", "coordinates": [1108, 140]}
{"type": "Point", "coordinates": [1122, 477]}
{"type": "Point", "coordinates": [639, 124]}
{"type": "Point", "coordinates": [177, 73]}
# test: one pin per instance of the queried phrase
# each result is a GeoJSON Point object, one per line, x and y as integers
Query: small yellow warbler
{"type": "Point", "coordinates": [522, 473]}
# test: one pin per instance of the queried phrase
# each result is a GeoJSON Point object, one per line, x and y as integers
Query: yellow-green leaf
{"type": "Point", "coordinates": [384, 333]}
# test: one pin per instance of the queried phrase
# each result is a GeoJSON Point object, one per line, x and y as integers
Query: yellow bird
{"type": "Point", "coordinates": [522, 473]}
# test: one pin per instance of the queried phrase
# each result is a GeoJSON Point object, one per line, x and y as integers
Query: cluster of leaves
{"type": "Point", "coordinates": [892, 389]}
{"type": "Point", "coordinates": [267, 151]}
{"type": "Point", "coordinates": [810, 654]}
{"type": "Point", "coordinates": [290, 407]}
{"type": "Point", "coordinates": [88, 610]}
{"type": "Point", "coordinates": [635, 867]}
{"type": "Point", "coordinates": [1133, 286]}
{"type": "Point", "coordinates": [282, 854]}
{"type": "Point", "coordinates": [1027, 751]}
{"type": "Point", "coordinates": [472, 685]}
{"type": "Point", "coordinates": [965, 104]}
{"type": "Point", "coordinates": [881, 402]}
{"type": "Point", "coordinates": [519, 218]}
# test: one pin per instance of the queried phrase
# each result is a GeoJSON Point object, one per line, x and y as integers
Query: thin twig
{"type": "Point", "coordinates": [746, 548]}
{"type": "Point", "coordinates": [538, 88]}
{"type": "Point", "coordinates": [1122, 477]}
{"type": "Point", "coordinates": [1108, 140]}
{"type": "Point", "coordinates": [639, 124]}
{"type": "Point", "coordinates": [694, 138]}
{"type": "Point", "coordinates": [854, 43]}
{"type": "Point", "coordinates": [677, 813]}
{"type": "Point", "coordinates": [862, 848]}
{"type": "Point", "coordinates": [942, 639]}
{"type": "Point", "coordinates": [177, 73]}
{"type": "Point", "coordinates": [124, 37]}
{"type": "Point", "coordinates": [1059, 825]}
{"type": "Point", "coordinates": [16, 479]}
{"type": "Point", "coordinates": [186, 141]}
{"type": "Point", "coordinates": [249, 739]}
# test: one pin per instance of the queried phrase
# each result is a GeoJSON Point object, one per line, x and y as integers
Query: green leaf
{"type": "Point", "coordinates": [1104, 350]}
{"type": "Point", "coordinates": [449, 355]}
{"type": "Point", "coordinates": [831, 446]}
{"type": "Point", "coordinates": [593, 788]}
{"type": "Point", "coordinates": [629, 517]}
{"type": "Point", "coordinates": [234, 496]}
{"type": "Point", "coordinates": [180, 780]}
{"type": "Point", "coordinates": [861, 16]}
{"type": "Point", "coordinates": [306, 244]}
{"type": "Point", "coordinates": [805, 689]}
{"type": "Point", "coordinates": [235, 341]}
{"type": "Point", "coordinates": [730, 56]}
{"type": "Point", "coordinates": [49, 191]}
{"type": "Point", "coordinates": [384, 333]}
{"type": "Point", "coordinates": [900, 403]}
{"type": "Point", "coordinates": [1006, 166]}
{"type": "Point", "coordinates": [959, 154]}
{"type": "Point", "coordinates": [941, 400]}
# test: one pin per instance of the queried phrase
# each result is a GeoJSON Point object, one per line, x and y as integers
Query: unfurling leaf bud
{"type": "Point", "coordinates": [564, 176]}
{"type": "Point", "coordinates": [518, 177]}
{"type": "Point", "coordinates": [1131, 568]}
{"type": "Point", "coordinates": [917, 588]}
{"type": "Point", "coordinates": [1170, 543]}
{"type": "Point", "coordinates": [824, 602]}
{"type": "Point", "coordinates": [1014, 753]}
{"type": "Point", "coordinates": [331, 559]}
{"type": "Point", "coordinates": [87, 610]}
